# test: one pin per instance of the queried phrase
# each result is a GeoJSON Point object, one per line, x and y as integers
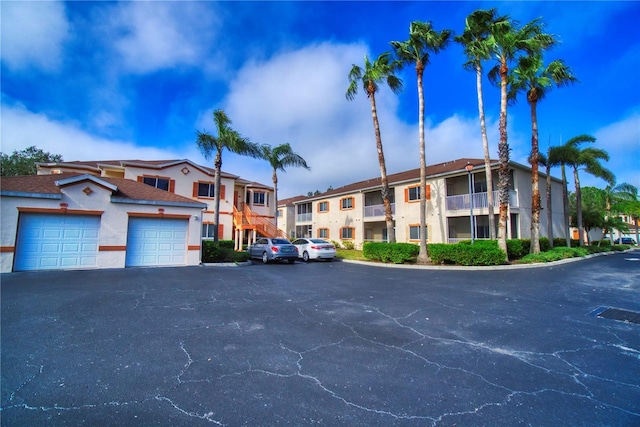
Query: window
{"type": "Point", "coordinates": [279, 214]}
{"type": "Point", "coordinates": [412, 194]}
{"type": "Point", "coordinates": [347, 203]}
{"type": "Point", "coordinates": [479, 186]}
{"type": "Point", "coordinates": [206, 190]}
{"type": "Point", "coordinates": [347, 233]}
{"type": "Point", "coordinates": [323, 233]}
{"type": "Point", "coordinates": [260, 198]}
{"type": "Point", "coordinates": [207, 230]}
{"type": "Point", "coordinates": [161, 183]}
{"type": "Point", "coordinates": [414, 232]}
{"type": "Point", "coordinates": [323, 206]}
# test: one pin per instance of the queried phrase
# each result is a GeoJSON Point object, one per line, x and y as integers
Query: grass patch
{"type": "Point", "coordinates": [350, 254]}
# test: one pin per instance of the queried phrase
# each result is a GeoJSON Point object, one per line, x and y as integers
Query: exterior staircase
{"type": "Point", "coordinates": [245, 219]}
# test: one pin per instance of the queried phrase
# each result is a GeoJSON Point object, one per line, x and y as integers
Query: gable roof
{"type": "Point", "coordinates": [411, 175]}
{"type": "Point", "coordinates": [98, 165]}
{"type": "Point", "coordinates": [123, 190]}
{"type": "Point", "coordinates": [291, 200]}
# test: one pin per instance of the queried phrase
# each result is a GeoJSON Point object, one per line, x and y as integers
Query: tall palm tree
{"type": "Point", "coordinates": [560, 156]}
{"type": "Point", "coordinates": [382, 69]}
{"type": "Point", "coordinates": [536, 80]}
{"type": "Point", "coordinates": [587, 159]}
{"type": "Point", "coordinates": [423, 41]}
{"type": "Point", "coordinates": [476, 40]}
{"type": "Point", "coordinates": [544, 161]}
{"type": "Point", "coordinates": [507, 42]}
{"type": "Point", "coordinates": [279, 158]}
{"type": "Point", "coordinates": [227, 139]}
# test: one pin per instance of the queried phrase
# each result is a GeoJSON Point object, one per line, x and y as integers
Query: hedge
{"type": "Point", "coordinates": [396, 253]}
{"type": "Point", "coordinates": [221, 252]}
{"type": "Point", "coordinates": [481, 252]}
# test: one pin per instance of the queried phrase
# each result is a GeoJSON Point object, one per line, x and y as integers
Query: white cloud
{"type": "Point", "coordinates": [298, 97]}
{"type": "Point", "coordinates": [22, 128]}
{"type": "Point", "coordinates": [33, 34]}
{"type": "Point", "coordinates": [622, 141]}
{"type": "Point", "coordinates": [160, 35]}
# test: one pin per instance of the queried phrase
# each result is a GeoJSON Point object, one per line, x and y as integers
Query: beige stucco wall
{"type": "Point", "coordinates": [113, 224]}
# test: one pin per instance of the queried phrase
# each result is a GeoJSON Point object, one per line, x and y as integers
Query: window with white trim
{"type": "Point", "coordinates": [346, 233]}
{"type": "Point", "coordinates": [206, 189]}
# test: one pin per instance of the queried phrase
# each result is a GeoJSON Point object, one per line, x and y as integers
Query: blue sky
{"type": "Point", "coordinates": [136, 80]}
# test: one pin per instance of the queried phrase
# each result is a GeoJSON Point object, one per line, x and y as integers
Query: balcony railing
{"type": "Point", "coordinates": [377, 210]}
{"type": "Point", "coordinates": [480, 201]}
{"type": "Point", "coordinates": [305, 217]}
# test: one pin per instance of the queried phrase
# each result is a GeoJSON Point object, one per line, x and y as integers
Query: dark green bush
{"type": "Point", "coordinates": [221, 252]}
{"type": "Point", "coordinates": [481, 252]}
{"type": "Point", "coordinates": [555, 254]}
{"type": "Point", "coordinates": [396, 253]}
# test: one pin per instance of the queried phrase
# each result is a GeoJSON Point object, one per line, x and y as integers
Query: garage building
{"type": "Point", "coordinates": [80, 221]}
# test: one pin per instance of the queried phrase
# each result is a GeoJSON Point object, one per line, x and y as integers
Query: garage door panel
{"type": "Point", "coordinates": [156, 241]}
{"type": "Point", "coordinates": [47, 241]}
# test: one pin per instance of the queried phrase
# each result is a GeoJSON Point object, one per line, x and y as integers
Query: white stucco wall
{"type": "Point", "coordinates": [113, 225]}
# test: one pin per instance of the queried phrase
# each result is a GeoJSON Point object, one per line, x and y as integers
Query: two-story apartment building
{"type": "Point", "coordinates": [125, 213]}
{"type": "Point", "coordinates": [456, 199]}
{"type": "Point", "coordinates": [246, 208]}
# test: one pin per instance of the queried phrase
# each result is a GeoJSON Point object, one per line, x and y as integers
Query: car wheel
{"type": "Point", "coordinates": [305, 256]}
{"type": "Point", "coordinates": [291, 261]}
{"type": "Point", "coordinates": [265, 258]}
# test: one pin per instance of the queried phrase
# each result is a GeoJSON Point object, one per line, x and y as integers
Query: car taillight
{"type": "Point", "coordinates": [274, 248]}
{"type": "Point", "coordinates": [316, 247]}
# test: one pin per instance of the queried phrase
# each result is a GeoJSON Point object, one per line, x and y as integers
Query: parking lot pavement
{"type": "Point", "coordinates": [335, 344]}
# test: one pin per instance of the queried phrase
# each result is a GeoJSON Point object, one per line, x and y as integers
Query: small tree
{"type": "Point", "coordinates": [211, 145]}
{"type": "Point", "coordinates": [279, 158]}
{"type": "Point", "coordinates": [23, 162]}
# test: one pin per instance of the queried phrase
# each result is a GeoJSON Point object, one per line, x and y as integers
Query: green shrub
{"type": "Point", "coordinates": [336, 244]}
{"type": "Point", "coordinates": [481, 252]}
{"type": "Point", "coordinates": [396, 253]}
{"type": "Point", "coordinates": [555, 254]}
{"type": "Point", "coordinates": [348, 245]}
{"type": "Point", "coordinates": [221, 252]}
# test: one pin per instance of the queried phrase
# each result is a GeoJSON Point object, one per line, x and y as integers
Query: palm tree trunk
{"type": "Point", "coordinates": [535, 189]}
{"type": "Point", "coordinates": [274, 177]}
{"type": "Point", "coordinates": [487, 158]}
{"type": "Point", "coordinates": [388, 216]}
{"type": "Point", "coordinates": [565, 205]}
{"type": "Point", "coordinates": [503, 167]}
{"type": "Point", "coordinates": [578, 207]}
{"type": "Point", "coordinates": [423, 256]}
{"type": "Point", "coordinates": [216, 216]}
{"type": "Point", "coordinates": [549, 215]}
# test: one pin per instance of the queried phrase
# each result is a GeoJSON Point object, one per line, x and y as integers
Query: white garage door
{"type": "Point", "coordinates": [155, 241]}
{"type": "Point", "coordinates": [53, 242]}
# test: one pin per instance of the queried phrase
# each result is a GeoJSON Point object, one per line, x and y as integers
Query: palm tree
{"type": "Point", "coordinates": [279, 158]}
{"type": "Point", "coordinates": [628, 202]}
{"type": "Point", "coordinates": [544, 161]}
{"type": "Point", "coordinates": [507, 41]}
{"type": "Point", "coordinates": [230, 140]}
{"type": "Point", "coordinates": [423, 41]}
{"type": "Point", "coordinates": [381, 70]}
{"type": "Point", "coordinates": [532, 77]}
{"type": "Point", "coordinates": [560, 155]}
{"type": "Point", "coordinates": [476, 41]}
{"type": "Point", "coordinates": [589, 159]}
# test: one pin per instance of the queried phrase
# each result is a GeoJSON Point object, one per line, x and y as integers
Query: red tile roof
{"type": "Point", "coordinates": [127, 189]}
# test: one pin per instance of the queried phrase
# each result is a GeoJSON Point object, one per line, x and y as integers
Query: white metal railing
{"type": "Point", "coordinates": [305, 217]}
{"type": "Point", "coordinates": [377, 210]}
{"type": "Point", "coordinates": [480, 201]}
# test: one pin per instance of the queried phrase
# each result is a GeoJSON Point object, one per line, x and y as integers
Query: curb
{"type": "Point", "coordinates": [225, 264]}
{"type": "Point", "coordinates": [488, 267]}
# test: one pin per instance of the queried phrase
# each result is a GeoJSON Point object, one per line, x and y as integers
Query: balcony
{"type": "Point", "coordinates": [461, 202]}
{"type": "Point", "coordinates": [377, 210]}
{"type": "Point", "coordinates": [304, 217]}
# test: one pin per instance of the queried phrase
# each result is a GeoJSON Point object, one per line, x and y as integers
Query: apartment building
{"type": "Point", "coordinates": [246, 208]}
{"type": "Point", "coordinates": [456, 194]}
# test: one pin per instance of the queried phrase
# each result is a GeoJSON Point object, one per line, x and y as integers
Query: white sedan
{"type": "Point", "coordinates": [315, 249]}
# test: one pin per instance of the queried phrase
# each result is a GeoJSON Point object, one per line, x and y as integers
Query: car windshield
{"type": "Point", "coordinates": [317, 241]}
{"type": "Point", "coordinates": [279, 241]}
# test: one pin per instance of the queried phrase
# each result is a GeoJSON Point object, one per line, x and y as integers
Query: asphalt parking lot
{"type": "Point", "coordinates": [336, 344]}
